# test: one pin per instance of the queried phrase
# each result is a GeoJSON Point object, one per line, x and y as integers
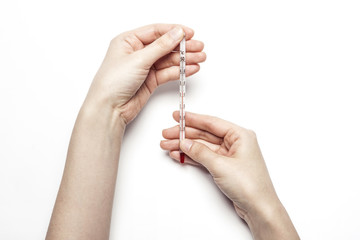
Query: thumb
{"type": "Point", "coordinates": [199, 153]}
{"type": "Point", "coordinates": [162, 46]}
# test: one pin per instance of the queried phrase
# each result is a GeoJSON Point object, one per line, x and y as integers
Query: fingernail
{"type": "Point", "coordinates": [176, 33]}
{"type": "Point", "coordinates": [186, 144]}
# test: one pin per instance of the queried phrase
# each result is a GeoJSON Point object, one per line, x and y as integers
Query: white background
{"type": "Point", "coordinates": [287, 69]}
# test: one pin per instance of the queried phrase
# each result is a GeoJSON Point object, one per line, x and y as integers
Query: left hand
{"type": "Point", "coordinates": [140, 60]}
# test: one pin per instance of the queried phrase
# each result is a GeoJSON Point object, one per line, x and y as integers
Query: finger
{"type": "Point", "coordinates": [200, 153]}
{"type": "Point", "coordinates": [160, 47]}
{"type": "Point", "coordinates": [191, 133]}
{"type": "Point", "coordinates": [173, 145]}
{"type": "Point", "coordinates": [172, 73]}
{"type": "Point", "coordinates": [192, 46]}
{"type": "Point", "coordinates": [173, 59]}
{"type": "Point", "coordinates": [176, 156]}
{"type": "Point", "coordinates": [150, 33]}
{"type": "Point", "coordinates": [214, 125]}
{"type": "Point", "coordinates": [170, 145]}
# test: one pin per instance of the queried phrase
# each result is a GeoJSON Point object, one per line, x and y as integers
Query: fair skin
{"type": "Point", "coordinates": [232, 156]}
{"type": "Point", "coordinates": [136, 63]}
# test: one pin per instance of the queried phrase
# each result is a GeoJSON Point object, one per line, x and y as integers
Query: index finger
{"type": "Point", "coordinates": [214, 125]}
{"type": "Point", "coordinates": [150, 33]}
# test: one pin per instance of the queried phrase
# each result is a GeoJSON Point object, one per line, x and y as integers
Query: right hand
{"type": "Point", "coordinates": [232, 156]}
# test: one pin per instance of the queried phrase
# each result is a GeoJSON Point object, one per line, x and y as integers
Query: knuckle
{"type": "Point", "coordinates": [162, 43]}
{"type": "Point", "coordinates": [175, 58]}
{"type": "Point", "coordinates": [233, 135]}
{"type": "Point", "coordinates": [165, 41]}
{"type": "Point", "coordinates": [113, 41]}
{"type": "Point", "coordinates": [251, 133]}
{"type": "Point", "coordinates": [210, 123]}
{"type": "Point", "coordinates": [203, 134]}
{"type": "Point", "coordinates": [116, 40]}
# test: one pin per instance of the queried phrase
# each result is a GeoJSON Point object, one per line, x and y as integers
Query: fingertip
{"type": "Point", "coordinates": [195, 67]}
{"type": "Point", "coordinates": [184, 32]}
{"type": "Point", "coordinates": [203, 56]}
{"type": "Point", "coordinates": [192, 69]}
{"type": "Point", "coordinates": [189, 33]}
{"type": "Point", "coordinates": [200, 45]}
{"type": "Point", "coordinates": [175, 155]}
{"type": "Point", "coordinates": [166, 133]}
{"type": "Point", "coordinates": [162, 144]}
{"type": "Point", "coordinates": [176, 115]}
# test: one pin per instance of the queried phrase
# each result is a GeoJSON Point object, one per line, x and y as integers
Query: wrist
{"type": "Point", "coordinates": [264, 213]}
{"type": "Point", "coordinates": [98, 98]}
{"type": "Point", "coordinates": [270, 221]}
{"type": "Point", "coordinates": [102, 108]}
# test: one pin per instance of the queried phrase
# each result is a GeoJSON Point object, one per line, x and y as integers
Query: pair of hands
{"type": "Point", "coordinates": [136, 63]}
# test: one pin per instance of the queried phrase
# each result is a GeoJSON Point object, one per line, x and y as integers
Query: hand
{"type": "Point", "coordinates": [140, 60]}
{"type": "Point", "coordinates": [230, 153]}
{"type": "Point", "coordinates": [232, 156]}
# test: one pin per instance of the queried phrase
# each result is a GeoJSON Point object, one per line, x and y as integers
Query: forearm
{"type": "Point", "coordinates": [84, 202]}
